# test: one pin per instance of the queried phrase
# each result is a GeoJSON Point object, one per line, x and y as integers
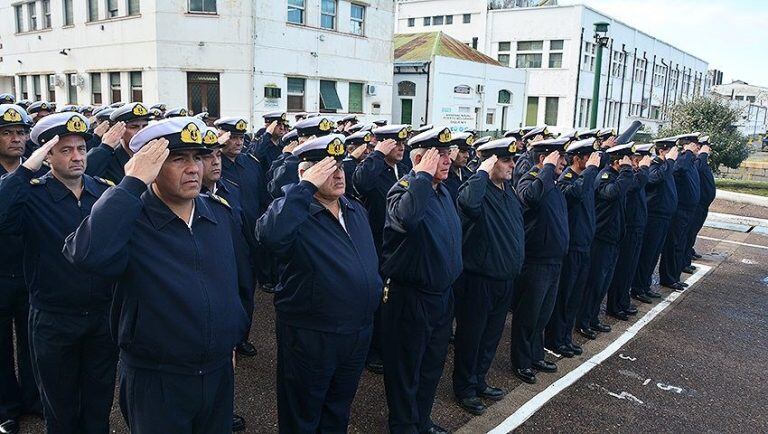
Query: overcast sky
{"type": "Point", "coordinates": [732, 35]}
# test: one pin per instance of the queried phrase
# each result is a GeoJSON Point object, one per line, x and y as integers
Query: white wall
{"type": "Point", "coordinates": [464, 32]}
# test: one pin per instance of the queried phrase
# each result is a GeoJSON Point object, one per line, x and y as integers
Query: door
{"type": "Point", "coordinates": [406, 111]}
{"type": "Point", "coordinates": [203, 93]}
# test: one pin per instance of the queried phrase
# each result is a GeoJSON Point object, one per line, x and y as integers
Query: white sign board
{"type": "Point", "coordinates": [456, 121]}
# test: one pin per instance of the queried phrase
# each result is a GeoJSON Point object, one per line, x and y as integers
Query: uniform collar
{"type": "Point", "coordinates": [59, 191]}
{"type": "Point", "coordinates": [316, 207]}
{"type": "Point", "coordinates": [160, 215]}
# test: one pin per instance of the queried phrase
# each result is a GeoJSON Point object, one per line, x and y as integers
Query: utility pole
{"type": "Point", "coordinates": [601, 40]}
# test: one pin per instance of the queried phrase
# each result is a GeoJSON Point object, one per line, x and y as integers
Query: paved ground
{"type": "Point", "coordinates": [704, 357]}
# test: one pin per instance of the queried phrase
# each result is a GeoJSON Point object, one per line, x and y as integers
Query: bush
{"type": "Point", "coordinates": [716, 118]}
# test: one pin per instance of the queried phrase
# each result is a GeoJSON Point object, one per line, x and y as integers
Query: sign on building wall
{"type": "Point", "coordinates": [455, 119]}
{"type": "Point", "coordinates": [462, 89]}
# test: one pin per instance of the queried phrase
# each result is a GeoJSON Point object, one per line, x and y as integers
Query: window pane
{"type": "Point", "coordinates": [32, 15]}
{"type": "Point", "coordinates": [406, 88]}
{"type": "Point", "coordinates": [135, 78]}
{"type": "Point", "coordinates": [528, 61]}
{"type": "Point", "coordinates": [532, 111]}
{"type": "Point", "coordinates": [133, 7]}
{"type": "Point", "coordinates": [504, 59]}
{"type": "Point", "coordinates": [356, 12]}
{"type": "Point", "coordinates": [467, 18]}
{"type": "Point", "coordinates": [438, 20]}
{"type": "Point", "coordinates": [295, 94]}
{"type": "Point", "coordinates": [449, 19]}
{"type": "Point", "coordinates": [329, 7]}
{"type": "Point", "coordinates": [411, 22]}
{"type": "Point", "coordinates": [111, 8]}
{"type": "Point", "coordinates": [355, 98]}
{"type": "Point", "coordinates": [550, 111]}
{"type": "Point", "coordinates": [93, 10]}
{"type": "Point", "coordinates": [555, 60]}
{"type": "Point", "coordinates": [427, 21]}
{"type": "Point", "coordinates": [295, 16]}
{"type": "Point", "coordinates": [36, 87]}
{"type": "Point", "coordinates": [46, 14]}
{"type": "Point", "coordinates": [19, 19]}
{"type": "Point", "coordinates": [326, 22]}
{"type": "Point", "coordinates": [504, 97]}
{"type": "Point", "coordinates": [504, 46]}
{"type": "Point", "coordinates": [68, 18]}
{"type": "Point", "coordinates": [530, 45]}
{"type": "Point", "coordinates": [329, 99]}
{"type": "Point", "coordinates": [296, 86]}
{"type": "Point", "coordinates": [556, 45]}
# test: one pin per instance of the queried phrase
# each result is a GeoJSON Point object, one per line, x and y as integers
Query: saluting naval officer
{"type": "Point", "coordinates": [7, 98]}
{"type": "Point", "coordinates": [545, 215]}
{"type": "Point", "coordinates": [108, 160]}
{"type": "Point", "coordinates": [38, 110]}
{"type": "Point", "coordinates": [328, 291]}
{"type": "Point", "coordinates": [707, 186]}
{"type": "Point", "coordinates": [459, 172]}
{"type": "Point", "coordinates": [268, 146]}
{"type": "Point", "coordinates": [491, 217]}
{"type": "Point", "coordinates": [373, 179]}
{"type": "Point", "coordinates": [180, 266]}
{"type": "Point", "coordinates": [527, 137]}
{"type": "Point", "coordinates": [421, 261]}
{"type": "Point", "coordinates": [359, 146]}
{"type": "Point", "coordinates": [577, 182]}
{"type": "Point", "coordinates": [73, 355]}
{"type": "Point", "coordinates": [18, 393]}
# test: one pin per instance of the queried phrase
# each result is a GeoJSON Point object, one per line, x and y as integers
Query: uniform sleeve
{"type": "Point", "coordinates": [641, 179]}
{"type": "Point", "coordinates": [100, 245]}
{"type": "Point", "coordinates": [283, 175]}
{"type": "Point", "coordinates": [278, 228]}
{"type": "Point", "coordinates": [521, 168]}
{"type": "Point", "coordinates": [406, 206]}
{"type": "Point", "coordinates": [702, 162]}
{"type": "Point", "coordinates": [364, 178]}
{"type": "Point", "coordinates": [14, 190]}
{"type": "Point", "coordinates": [98, 160]}
{"type": "Point", "coordinates": [93, 142]}
{"type": "Point", "coordinates": [657, 172]}
{"type": "Point", "coordinates": [532, 188]}
{"type": "Point", "coordinates": [245, 278]}
{"type": "Point", "coordinates": [261, 150]}
{"type": "Point", "coordinates": [615, 190]}
{"type": "Point", "coordinates": [471, 194]}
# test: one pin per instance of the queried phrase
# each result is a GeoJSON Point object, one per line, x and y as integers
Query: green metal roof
{"type": "Point", "coordinates": [422, 47]}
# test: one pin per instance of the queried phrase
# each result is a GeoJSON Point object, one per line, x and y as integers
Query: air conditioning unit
{"type": "Point", "coordinates": [370, 90]}
{"type": "Point", "coordinates": [480, 89]}
{"type": "Point", "coordinates": [55, 80]}
{"type": "Point", "coordinates": [52, 80]}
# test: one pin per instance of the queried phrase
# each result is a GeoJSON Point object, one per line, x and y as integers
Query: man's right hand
{"type": "Point", "coordinates": [358, 152]}
{"type": "Point", "coordinates": [594, 160]}
{"type": "Point", "coordinates": [101, 128]}
{"type": "Point", "coordinates": [271, 127]}
{"type": "Point", "coordinates": [705, 150]}
{"type": "Point", "coordinates": [428, 162]}
{"type": "Point", "coordinates": [672, 154]}
{"type": "Point", "coordinates": [288, 149]}
{"type": "Point", "coordinates": [319, 173]}
{"type": "Point", "coordinates": [487, 165]}
{"type": "Point", "coordinates": [146, 164]}
{"type": "Point", "coordinates": [552, 158]}
{"type": "Point", "coordinates": [112, 137]}
{"type": "Point", "coordinates": [385, 146]}
{"type": "Point", "coordinates": [224, 137]}
{"type": "Point", "coordinates": [35, 161]}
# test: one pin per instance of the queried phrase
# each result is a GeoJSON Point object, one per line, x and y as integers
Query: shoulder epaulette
{"type": "Point", "coordinates": [231, 182]}
{"type": "Point", "coordinates": [404, 183]}
{"type": "Point", "coordinates": [533, 173]}
{"type": "Point", "coordinates": [568, 175]}
{"type": "Point", "coordinates": [37, 181]}
{"type": "Point", "coordinates": [605, 175]}
{"type": "Point", "coordinates": [106, 182]}
{"type": "Point", "coordinates": [254, 158]}
{"type": "Point", "coordinates": [219, 199]}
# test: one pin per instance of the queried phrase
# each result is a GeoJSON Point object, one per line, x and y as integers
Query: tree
{"type": "Point", "coordinates": [714, 117]}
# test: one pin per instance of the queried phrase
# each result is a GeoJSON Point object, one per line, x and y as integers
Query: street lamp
{"type": "Point", "coordinates": [601, 40]}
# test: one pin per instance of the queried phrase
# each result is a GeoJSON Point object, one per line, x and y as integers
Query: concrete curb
{"type": "Point", "coordinates": [742, 198]}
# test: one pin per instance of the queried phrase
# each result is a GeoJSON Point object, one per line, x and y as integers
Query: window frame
{"type": "Point", "coordinates": [115, 87]}
{"type": "Point", "coordinates": [92, 10]}
{"type": "Point", "coordinates": [67, 13]}
{"type": "Point", "coordinates": [349, 97]}
{"type": "Point", "coordinates": [45, 5]}
{"type": "Point", "coordinates": [136, 89]}
{"type": "Point", "coordinates": [547, 113]}
{"type": "Point", "coordinates": [301, 9]}
{"type": "Point", "coordinates": [203, 10]}
{"type": "Point", "coordinates": [321, 107]}
{"type": "Point", "coordinates": [526, 53]}
{"type": "Point", "coordinates": [96, 88]}
{"type": "Point", "coordinates": [503, 51]}
{"type": "Point", "coordinates": [588, 56]}
{"type": "Point", "coordinates": [32, 16]}
{"type": "Point", "coordinates": [18, 11]}
{"type": "Point", "coordinates": [404, 87]}
{"type": "Point", "coordinates": [37, 89]}
{"type": "Point", "coordinates": [466, 18]}
{"type": "Point", "coordinates": [51, 87]}
{"type": "Point", "coordinates": [555, 53]}
{"type": "Point", "coordinates": [136, 3]}
{"type": "Point", "coordinates": [411, 22]}
{"type": "Point", "coordinates": [294, 94]}
{"type": "Point", "coordinates": [448, 20]}
{"type": "Point", "coordinates": [427, 21]}
{"type": "Point", "coordinates": [334, 16]}
{"type": "Point", "coordinates": [108, 5]}
{"type": "Point", "coordinates": [640, 65]}
{"type": "Point", "coordinates": [359, 21]}
{"type": "Point", "coordinates": [437, 18]}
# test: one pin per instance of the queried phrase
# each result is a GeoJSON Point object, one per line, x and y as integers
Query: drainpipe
{"type": "Point", "coordinates": [426, 104]}
{"type": "Point", "coordinates": [653, 81]}
{"type": "Point", "coordinates": [621, 95]}
{"type": "Point", "coordinates": [252, 72]}
{"type": "Point", "coordinates": [578, 76]}
{"type": "Point", "coordinates": [608, 83]}
{"type": "Point", "coordinates": [642, 89]}
{"type": "Point", "coordinates": [632, 83]}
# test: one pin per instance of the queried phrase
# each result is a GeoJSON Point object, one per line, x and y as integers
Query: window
{"type": "Point", "coordinates": [556, 53]}
{"type": "Point", "coordinates": [588, 59]}
{"type": "Point", "coordinates": [618, 58]}
{"type": "Point", "coordinates": [328, 14]}
{"type": "Point", "coordinates": [505, 97]}
{"type": "Point", "coordinates": [503, 59]}
{"type": "Point", "coordinates": [36, 88]}
{"type": "Point", "coordinates": [96, 88]}
{"type": "Point", "coordinates": [296, 11]}
{"type": "Point", "coordinates": [114, 87]}
{"type": "Point", "coordinates": [739, 98]}
{"type": "Point", "coordinates": [111, 8]}
{"type": "Point", "coordinates": [640, 69]}
{"type": "Point", "coordinates": [406, 88]}
{"type": "Point", "coordinates": [489, 116]}
{"type": "Point", "coordinates": [411, 22]}
{"type": "Point", "coordinates": [427, 21]}
{"type": "Point", "coordinates": [46, 14]}
{"type": "Point", "coordinates": [751, 98]}
{"type": "Point", "coordinates": [532, 111]}
{"type": "Point", "coordinates": [355, 98]}
{"type": "Point", "coordinates": [659, 71]}
{"type": "Point", "coordinates": [205, 7]}
{"type": "Point", "coordinates": [32, 15]}
{"type": "Point", "coordinates": [357, 19]}
{"type": "Point", "coordinates": [474, 43]}
{"type": "Point", "coordinates": [634, 109]}
{"type": "Point", "coordinates": [23, 87]}
{"type": "Point", "coordinates": [449, 19]}
{"type": "Point", "coordinates": [133, 7]}
{"type": "Point", "coordinates": [504, 46]}
{"type": "Point", "coordinates": [550, 110]}
{"type": "Point", "coordinates": [437, 21]}
{"type": "Point", "coordinates": [466, 18]}
{"type": "Point", "coordinates": [136, 88]}
{"type": "Point", "coordinates": [529, 54]}
{"type": "Point", "coordinates": [67, 13]}
{"type": "Point", "coordinates": [93, 10]}
{"type": "Point", "coordinates": [329, 99]}
{"type": "Point", "coordinates": [655, 112]}
{"type": "Point", "coordinates": [19, 18]}
{"type": "Point", "coordinates": [203, 93]}
{"type": "Point", "coordinates": [72, 88]}
{"type": "Point", "coordinates": [585, 105]}
{"type": "Point", "coordinates": [49, 80]}
{"type": "Point", "coordinates": [295, 94]}
{"type": "Point", "coordinates": [504, 56]}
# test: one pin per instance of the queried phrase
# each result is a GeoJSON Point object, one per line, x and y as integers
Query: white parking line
{"type": "Point", "coordinates": [732, 242]}
{"type": "Point", "coordinates": [534, 404]}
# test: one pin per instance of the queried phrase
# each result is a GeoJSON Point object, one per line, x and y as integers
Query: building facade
{"type": "Point", "coordinates": [233, 57]}
{"type": "Point", "coordinates": [751, 100]}
{"type": "Point", "coordinates": [640, 75]}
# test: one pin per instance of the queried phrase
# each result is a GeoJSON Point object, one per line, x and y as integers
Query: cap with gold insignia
{"type": "Point", "coordinates": [421, 129]}
{"type": "Point", "coordinates": [538, 133]}
{"type": "Point", "coordinates": [684, 139]}
{"type": "Point", "coordinates": [359, 138]}
{"type": "Point", "coordinates": [380, 122]}
{"type": "Point", "coordinates": [620, 151]}
{"type": "Point", "coordinates": [39, 106]}
{"type": "Point", "coordinates": [290, 136]}
{"type": "Point", "coordinates": [434, 138]}
{"type": "Point", "coordinates": [587, 134]}
{"type": "Point", "coordinates": [348, 118]}
{"type": "Point", "coordinates": [397, 132]}
{"type": "Point", "coordinates": [463, 140]}
{"type": "Point", "coordinates": [104, 114]}
{"type": "Point", "coordinates": [482, 140]}
{"type": "Point", "coordinates": [203, 116]}
{"type": "Point", "coordinates": [182, 133]}
{"type": "Point", "coordinates": [331, 145]}
{"type": "Point", "coordinates": [160, 106]}
{"type": "Point", "coordinates": [68, 108]}
{"type": "Point", "coordinates": [211, 138]}
{"type": "Point", "coordinates": [665, 142]}
{"type": "Point", "coordinates": [704, 139]}
{"type": "Point", "coordinates": [549, 145]}
{"type": "Point", "coordinates": [606, 133]}
{"type": "Point", "coordinates": [280, 117]}
{"type": "Point", "coordinates": [176, 112]}
{"type": "Point", "coordinates": [235, 125]}
{"type": "Point", "coordinates": [130, 112]}
{"type": "Point", "coordinates": [314, 126]}
{"type": "Point", "coordinates": [518, 133]}
{"type": "Point", "coordinates": [155, 114]}
{"type": "Point", "coordinates": [87, 110]}
{"type": "Point", "coordinates": [644, 149]}
{"type": "Point", "coordinates": [24, 103]}
{"type": "Point", "coordinates": [7, 98]}
{"type": "Point", "coordinates": [61, 124]}
{"type": "Point", "coordinates": [582, 147]}
{"type": "Point", "coordinates": [117, 104]}
{"type": "Point", "coordinates": [504, 147]}
{"type": "Point", "coordinates": [355, 128]}
{"type": "Point", "coordinates": [12, 115]}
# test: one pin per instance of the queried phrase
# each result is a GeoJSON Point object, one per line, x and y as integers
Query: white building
{"type": "Point", "coordinates": [641, 75]}
{"type": "Point", "coordinates": [439, 80]}
{"type": "Point", "coordinates": [227, 57]}
{"type": "Point", "coordinates": [753, 103]}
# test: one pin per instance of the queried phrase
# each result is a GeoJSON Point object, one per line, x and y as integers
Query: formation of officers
{"type": "Point", "coordinates": [138, 234]}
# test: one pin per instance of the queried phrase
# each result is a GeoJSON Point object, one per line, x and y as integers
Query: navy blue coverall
{"type": "Point", "coordinates": [675, 251]}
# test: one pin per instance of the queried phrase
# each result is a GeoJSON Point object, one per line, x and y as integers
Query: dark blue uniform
{"type": "Point", "coordinates": [266, 151]}
{"type": "Point", "coordinates": [630, 245]}
{"type": "Point", "coordinates": [17, 395]}
{"type": "Point", "coordinates": [610, 214]}
{"type": "Point", "coordinates": [579, 191]}
{"type": "Point", "coordinates": [661, 200]}
{"type": "Point", "coordinates": [284, 171]}
{"type": "Point", "coordinates": [688, 195]}
{"type": "Point", "coordinates": [456, 177]}
{"type": "Point", "coordinates": [523, 165]}
{"type": "Point", "coordinates": [421, 260]}
{"type": "Point", "coordinates": [707, 188]}
{"type": "Point", "coordinates": [327, 293]}
{"type": "Point", "coordinates": [107, 163]}
{"type": "Point", "coordinates": [73, 357]}
{"type": "Point", "coordinates": [177, 313]}
{"type": "Point", "coordinates": [492, 249]}
{"type": "Point", "coordinates": [545, 214]}
{"type": "Point", "coordinates": [349, 164]}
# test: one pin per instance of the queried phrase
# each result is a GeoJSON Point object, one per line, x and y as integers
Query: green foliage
{"type": "Point", "coordinates": [717, 118]}
{"type": "Point", "coordinates": [759, 188]}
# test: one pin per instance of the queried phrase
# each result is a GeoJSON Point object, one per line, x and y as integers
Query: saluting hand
{"type": "Point", "coordinates": [101, 128]}
{"type": "Point", "coordinates": [271, 127]}
{"type": "Point", "coordinates": [358, 152]}
{"type": "Point", "coordinates": [146, 164]}
{"type": "Point", "coordinates": [706, 149]}
{"type": "Point", "coordinates": [672, 154]}
{"type": "Point", "coordinates": [290, 146]}
{"type": "Point", "coordinates": [608, 143]}
{"type": "Point", "coordinates": [646, 161]}
{"type": "Point", "coordinates": [552, 158]}
{"type": "Point", "coordinates": [35, 161]}
{"type": "Point", "coordinates": [320, 172]}
{"type": "Point", "coordinates": [386, 146]}
{"type": "Point", "coordinates": [594, 160]}
{"type": "Point", "coordinates": [112, 137]}
{"type": "Point", "coordinates": [428, 163]}
{"type": "Point", "coordinates": [625, 161]}
{"type": "Point", "coordinates": [487, 165]}
{"type": "Point", "coordinates": [223, 137]}
{"type": "Point", "coordinates": [454, 153]}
